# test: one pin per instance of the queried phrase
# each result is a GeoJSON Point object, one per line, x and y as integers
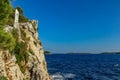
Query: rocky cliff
{"type": "Point", "coordinates": [27, 61]}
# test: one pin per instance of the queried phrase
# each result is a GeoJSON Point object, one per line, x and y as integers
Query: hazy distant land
{"type": "Point", "coordinates": [78, 53]}
{"type": "Point", "coordinates": [93, 53]}
{"type": "Point", "coordinates": [48, 52]}
{"type": "Point", "coordinates": [110, 53]}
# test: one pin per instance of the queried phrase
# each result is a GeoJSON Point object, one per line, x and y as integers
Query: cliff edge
{"type": "Point", "coordinates": [26, 61]}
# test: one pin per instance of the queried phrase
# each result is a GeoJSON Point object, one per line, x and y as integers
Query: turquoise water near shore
{"type": "Point", "coordinates": [84, 66]}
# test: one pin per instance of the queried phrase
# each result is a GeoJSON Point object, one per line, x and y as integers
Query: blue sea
{"type": "Point", "coordinates": [84, 66]}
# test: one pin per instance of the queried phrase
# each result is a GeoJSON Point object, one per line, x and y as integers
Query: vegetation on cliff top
{"type": "Point", "coordinates": [22, 18]}
{"type": "Point", "coordinates": [3, 78]}
{"type": "Point", "coordinates": [6, 39]}
{"type": "Point", "coordinates": [9, 40]}
{"type": "Point", "coordinates": [5, 11]}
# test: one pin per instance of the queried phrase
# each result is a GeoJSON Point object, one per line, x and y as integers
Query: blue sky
{"type": "Point", "coordinates": [76, 25]}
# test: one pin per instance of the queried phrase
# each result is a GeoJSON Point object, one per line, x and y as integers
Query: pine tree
{"type": "Point", "coordinates": [5, 11]}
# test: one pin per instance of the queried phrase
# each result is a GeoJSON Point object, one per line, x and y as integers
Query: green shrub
{"type": "Point", "coordinates": [20, 52]}
{"type": "Point", "coordinates": [22, 19]}
{"type": "Point", "coordinates": [5, 11]}
{"type": "Point", "coordinates": [3, 78]}
{"type": "Point", "coordinates": [22, 67]}
{"type": "Point", "coordinates": [11, 18]}
{"type": "Point", "coordinates": [6, 40]}
{"type": "Point", "coordinates": [21, 55]}
{"type": "Point", "coordinates": [15, 34]}
{"type": "Point", "coordinates": [26, 56]}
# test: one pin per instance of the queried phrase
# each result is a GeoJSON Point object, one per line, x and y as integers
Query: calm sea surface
{"type": "Point", "coordinates": [85, 66]}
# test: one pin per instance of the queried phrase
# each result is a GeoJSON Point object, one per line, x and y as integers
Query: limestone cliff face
{"type": "Point", "coordinates": [8, 67]}
{"type": "Point", "coordinates": [35, 66]}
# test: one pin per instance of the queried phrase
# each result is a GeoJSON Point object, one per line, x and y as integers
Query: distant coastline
{"type": "Point", "coordinates": [110, 53]}
{"type": "Point", "coordinates": [94, 53]}
{"type": "Point", "coordinates": [77, 53]}
{"type": "Point", "coordinates": [48, 52]}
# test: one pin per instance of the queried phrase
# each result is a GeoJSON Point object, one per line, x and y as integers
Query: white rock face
{"type": "Point", "coordinates": [36, 65]}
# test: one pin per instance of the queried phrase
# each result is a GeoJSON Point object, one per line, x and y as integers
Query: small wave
{"type": "Point", "coordinates": [69, 75]}
{"type": "Point", "coordinates": [116, 65]}
{"type": "Point", "coordinates": [59, 76]}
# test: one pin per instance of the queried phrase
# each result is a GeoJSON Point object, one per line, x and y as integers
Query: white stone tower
{"type": "Point", "coordinates": [16, 22]}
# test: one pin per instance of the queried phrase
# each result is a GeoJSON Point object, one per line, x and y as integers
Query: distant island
{"type": "Point", "coordinates": [110, 53]}
{"type": "Point", "coordinates": [47, 52]}
{"type": "Point", "coordinates": [93, 53]}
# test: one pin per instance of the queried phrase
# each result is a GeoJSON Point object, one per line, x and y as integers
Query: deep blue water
{"type": "Point", "coordinates": [85, 66]}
